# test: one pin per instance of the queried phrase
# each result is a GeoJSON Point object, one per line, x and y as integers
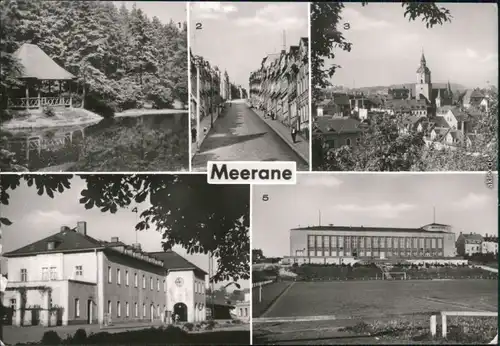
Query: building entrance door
{"type": "Point", "coordinates": [89, 311]}
{"type": "Point", "coordinates": [181, 310]}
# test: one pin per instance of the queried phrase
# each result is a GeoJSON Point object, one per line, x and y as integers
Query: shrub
{"type": "Point", "coordinates": [188, 326]}
{"type": "Point", "coordinates": [50, 338]}
{"type": "Point", "coordinates": [99, 106]}
{"type": "Point", "coordinates": [80, 336]}
{"type": "Point", "coordinates": [48, 111]}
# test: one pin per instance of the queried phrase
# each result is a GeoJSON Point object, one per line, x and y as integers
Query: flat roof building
{"type": "Point", "coordinates": [343, 244]}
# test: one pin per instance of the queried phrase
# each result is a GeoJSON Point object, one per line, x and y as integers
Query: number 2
{"type": "Point", "coordinates": [199, 26]}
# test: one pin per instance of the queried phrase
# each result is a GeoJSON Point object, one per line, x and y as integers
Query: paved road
{"type": "Point", "coordinates": [241, 135]}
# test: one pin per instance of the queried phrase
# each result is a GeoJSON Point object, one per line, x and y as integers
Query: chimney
{"type": "Point", "coordinates": [81, 227]}
{"type": "Point", "coordinates": [115, 239]}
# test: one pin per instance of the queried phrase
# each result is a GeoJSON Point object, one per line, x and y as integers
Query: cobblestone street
{"type": "Point", "coordinates": [241, 135]}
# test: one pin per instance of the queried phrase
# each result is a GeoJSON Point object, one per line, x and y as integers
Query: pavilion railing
{"type": "Point", "coordinates": [39, 102]}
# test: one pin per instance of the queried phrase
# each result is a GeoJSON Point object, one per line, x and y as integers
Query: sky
{"type": "Point", "coordinates": [165, 11]}
{"type": "Point", "coordinates": [36, 217]}
{"type": "Point", "coordinates": [387, 47]}
{"type": "Point", "coordinates": [384, 200]}
{"type": "Point", "coordinates": [236, 36]}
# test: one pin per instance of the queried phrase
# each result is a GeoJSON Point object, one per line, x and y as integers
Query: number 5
{"type": "Point", "coordinates": [265, 198]}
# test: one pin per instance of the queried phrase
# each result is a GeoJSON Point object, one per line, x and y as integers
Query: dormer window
{"type": "Point", "coordinates": [51, 245]}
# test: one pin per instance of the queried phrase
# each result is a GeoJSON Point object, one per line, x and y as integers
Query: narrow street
{"type": "Point", "coordinates": [241, 135]}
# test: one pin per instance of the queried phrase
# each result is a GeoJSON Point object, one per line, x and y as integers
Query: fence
{"type": "Point", "coordinates": [262, 283]}
{"type": "Point", "coordinates": [445, 314]}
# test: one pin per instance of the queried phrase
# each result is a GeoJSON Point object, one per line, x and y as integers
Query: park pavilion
{"type": "Point", "coordinates": [39, 73]}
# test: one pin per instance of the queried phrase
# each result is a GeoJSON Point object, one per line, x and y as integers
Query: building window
{"type": "Point", "coordinates": [126, 278]}
{"type": "Point", "coordinates": [109, 307]}
{"type": "Point", "coordinates": [158, 285]}
{"type": "Point", "coordinates": [53, 273]}
{"type": "Point", "coordinates": [246, 312]}
{"type": "Point", "coordinates": [127, 310]}
{"type": "Point", "coordinates": [45, 274]}
{"type": "Point", "coordinates": [164, 286]}
{"type": "Point", "coordinates": [151, 283]}
{"type": "Point", "coordinates": [118, 277]}
{"type": "Point", "coordinates": [440, 243]}
{"type": "Point", "coordinates": [158, 310]}
{"type": "Point", "coordinates": [13, 304]}
{"type": "Point", "coordinates": [109, 275]}
{"type": "Point", "coordinates": [118, 309]}
{"type": "Point", "coordinates": [143, 281]}
{"type": "Point", "coordinates": [136, 279]}
{"type": "Point", "coordinates": [78, 270]}
{"type": "Point", "coordinates": [348, 141]}
{"type": "Point", "coordinates": [143, 310]}
{"type": "Point", "coordinates": [77, 307]}
{"type": "Point", "coordinates": [136, 307]}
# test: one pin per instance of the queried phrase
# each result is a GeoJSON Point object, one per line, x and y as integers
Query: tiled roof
{"type": "Point", "coordinates": [365, 229]}
{"type": "Point", "coordinates": [473, 236]}
{"type": "Point", "coordinates": [174, 261]}
{"type": "Point", "coordinates": [339, 125]}
{"type": "Point", "coordinates": [439, 122]}
{"type": "Point", "coordinates": [65, 241]}
{"type": "Point", "coordinates": [36, 64]}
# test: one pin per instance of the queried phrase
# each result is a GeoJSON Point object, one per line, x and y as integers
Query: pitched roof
{"type": "Point", "coordinates": [36, 64]}
{"type": "Point", "coordinates": [174, 261]}
{"type": "Point", "coordinates": [339, 125]}
{"type": "Point", "coordinates": [65, 241]}
{"type": "Point", "coordinates": [365, 229]}
{"type": "Point", "coordinates": [473, 236]}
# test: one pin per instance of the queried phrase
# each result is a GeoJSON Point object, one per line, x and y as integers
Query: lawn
{"type": "Point", "coordinates": [355, 299]}
{"type": "Point", "coordinates": [270, 293]}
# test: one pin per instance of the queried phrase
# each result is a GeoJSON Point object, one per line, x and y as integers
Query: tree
{"type": "Point", "coordinates": [201, 217]}
{"type": "Point", "coordinates": [257, 254]}
{"type": "Point", "coordinates": [326, 36]}
{"type": "Point", "coordinates": [382, 147]}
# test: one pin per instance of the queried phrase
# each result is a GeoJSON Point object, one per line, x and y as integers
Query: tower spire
{"type": "Point", "coordinates": [422, 58]}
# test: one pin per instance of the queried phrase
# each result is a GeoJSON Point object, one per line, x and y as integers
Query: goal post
{"type": "Point", "coordinates": [398, 275]}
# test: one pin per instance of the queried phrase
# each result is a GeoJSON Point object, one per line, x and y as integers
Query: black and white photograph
{"type": "Point", "coordinates": [124, 259]}
{"type": "Point", "coordinates": [375, 259]}
{"type": "Point", "coordinates": [249, 82]}
{"type": "Point", "coordinates": [404, 86]}
{"type": "Point", "coordinates": [94, 86]}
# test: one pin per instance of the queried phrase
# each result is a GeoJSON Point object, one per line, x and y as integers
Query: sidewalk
{"type": "Point", "coordinates": [204, 124]}
{"type": "Point", "coordinates": [302, 145]}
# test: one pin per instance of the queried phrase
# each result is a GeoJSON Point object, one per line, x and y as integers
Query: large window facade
{"type": "Point", "coordinates": [373, 246]}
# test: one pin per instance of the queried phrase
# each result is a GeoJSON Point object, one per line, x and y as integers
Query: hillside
{"type": "Point", "coordinates": [381, 89]}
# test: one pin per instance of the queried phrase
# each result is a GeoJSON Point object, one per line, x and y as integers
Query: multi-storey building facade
{"type": "Point", "coordinates": [281, 86]}
{"type": "Point", "coordinates": [490, 244]}
{"type": "Point", "coordinates": [72, 278]}
{"type": "Point", "coordinates": [339, 244]}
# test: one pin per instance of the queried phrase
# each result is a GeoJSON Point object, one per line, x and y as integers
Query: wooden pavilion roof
{"type": "Point", "coordinates": [38, 65]}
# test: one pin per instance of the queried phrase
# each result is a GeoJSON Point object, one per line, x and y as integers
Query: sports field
{"type": "Point", "coordinates": [316, 313]}
{"type": "Point", "coordinates": [352, 299]}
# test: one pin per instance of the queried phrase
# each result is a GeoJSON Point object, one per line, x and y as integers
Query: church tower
{"type": "Point", "coordinates": [423, 87]}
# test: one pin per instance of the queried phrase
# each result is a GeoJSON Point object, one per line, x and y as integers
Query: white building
{"type": "Point", "coordinates": [72, 278]}
{"type": "Point", "coordinates": [490, 245]}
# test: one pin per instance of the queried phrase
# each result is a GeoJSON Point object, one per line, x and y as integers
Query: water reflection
{"type": "Point", "coordinates": [144, 143]}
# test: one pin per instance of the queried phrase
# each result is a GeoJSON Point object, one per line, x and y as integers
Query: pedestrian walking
{"type": "Point", "coordinates": [193, 134]}
{"type": "Point", "coordinates": [294, 134]}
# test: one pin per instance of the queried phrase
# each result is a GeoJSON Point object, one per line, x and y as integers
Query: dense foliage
{"type": "Point", "coordinates": [201, 217]}
{"type": "Point", "coordinates": [384, 148]}
{"type": "Point", "coordinates": [122, 57]}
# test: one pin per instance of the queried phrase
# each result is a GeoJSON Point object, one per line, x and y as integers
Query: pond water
{"type": "Point", "coordinates": [151, 142]}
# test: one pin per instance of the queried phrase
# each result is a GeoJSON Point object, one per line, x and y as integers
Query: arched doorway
{"type": "Point", "coordinates": [181, 310]}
